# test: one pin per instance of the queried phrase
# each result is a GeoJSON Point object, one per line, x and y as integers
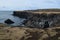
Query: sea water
{"type": "Point", "coordinates": [4, 15]}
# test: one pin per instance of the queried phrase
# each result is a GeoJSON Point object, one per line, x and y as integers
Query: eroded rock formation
{"type": "Point", "coordinates": [22, 14]}
{"type": "Point", "coordinates": [39, 19]}
{"type": "Point", "coordinates": [8, 21]}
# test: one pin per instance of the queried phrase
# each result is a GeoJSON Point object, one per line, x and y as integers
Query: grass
{"type": "Point", "coordinates": [24, 33]}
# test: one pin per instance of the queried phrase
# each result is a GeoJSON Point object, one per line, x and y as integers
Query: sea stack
{"type": "Point", "coordinates": [8, 21]}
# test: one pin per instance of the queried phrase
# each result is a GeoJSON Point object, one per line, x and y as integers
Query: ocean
{"type": "Point", "coordinates": [4, 15]}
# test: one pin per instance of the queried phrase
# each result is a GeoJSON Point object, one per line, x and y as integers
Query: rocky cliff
{"type": "Point", "coordinates": [39, 18]}
{"type": "Point", "coordinates": [37, 21]}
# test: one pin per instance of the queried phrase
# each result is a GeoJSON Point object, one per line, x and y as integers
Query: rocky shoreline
{"type": "Point", "coordinates": [39, 19]}
{"type": "Point", "coordinates": [35, 27]}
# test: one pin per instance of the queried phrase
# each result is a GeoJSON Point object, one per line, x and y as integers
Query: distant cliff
{"type": "Point", "coordinates": [39, 18]}
{"type": "Point", "coordinates": [44, 10]}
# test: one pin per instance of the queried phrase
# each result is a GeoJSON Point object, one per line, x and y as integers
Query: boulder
{"type": "Point", "coordinates": [8, 21]}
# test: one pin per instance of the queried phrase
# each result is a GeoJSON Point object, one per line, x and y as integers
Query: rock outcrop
{"type": "Point", "coordinates": [22, 14]}
{"type": "Point", "coordinates": [8, 21]}
{"type": "Point", "coordinates": [38, 19]}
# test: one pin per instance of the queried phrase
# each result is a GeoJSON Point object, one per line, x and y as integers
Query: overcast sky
{"type": "Point", "coordinates": [28, 4]}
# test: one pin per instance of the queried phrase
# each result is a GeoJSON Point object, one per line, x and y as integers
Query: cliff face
{"type": "Point", "coordinates": [39, 19]}
{"type": "Point", "coordinates": [22, 14]}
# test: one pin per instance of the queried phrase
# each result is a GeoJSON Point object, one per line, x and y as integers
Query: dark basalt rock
{"type": "Point", "coordinates": [24, 14]}
{"type": "Point", "coordinates": [38, 20]}
{"type": "Point", "coordinates": [46, 24]}
{"type": "Point", "coordinates": [8, 21]}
